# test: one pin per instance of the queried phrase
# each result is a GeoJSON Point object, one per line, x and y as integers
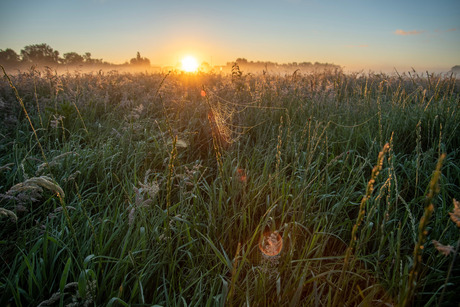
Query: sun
{"type": "Point", "coordinates": [189, 64]}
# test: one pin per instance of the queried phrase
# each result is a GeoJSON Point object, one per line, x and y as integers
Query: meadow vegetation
{"type": "Point", "coordinates": [158, 189]}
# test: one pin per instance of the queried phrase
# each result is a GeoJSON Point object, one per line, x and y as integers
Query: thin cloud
{"type": "Point", "coordinates": [404, 33]}
{"type": "Point", "coordinates": [444, 31]}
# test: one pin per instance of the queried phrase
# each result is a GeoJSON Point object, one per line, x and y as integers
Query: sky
{"type": "Point", "coordinates": [356, 34]}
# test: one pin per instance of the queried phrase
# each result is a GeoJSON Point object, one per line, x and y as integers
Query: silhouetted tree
{"type": "Point", "coordinates": [40, 53]}
{"type": "Point", "coordinates": [138, 60]}
{"type": "Point", "coordinates": [306, 64]}
{"type": "Point", "coordinates": [73, 58]}
{"type": "Point", "coordinates": [8, 57]}
{"type": "Point", "coordinates": [267, 65]}
{"type": "Point", "coordinates": [88, 60]}
{"type": "Point", "coordinates": [87, 57]}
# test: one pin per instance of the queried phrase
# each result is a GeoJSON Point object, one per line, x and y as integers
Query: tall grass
{"type": "Point", "coordinates": [171, 180]}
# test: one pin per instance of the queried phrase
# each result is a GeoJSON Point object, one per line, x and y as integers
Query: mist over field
{"type": "Point", "coordinates": [41, 56]}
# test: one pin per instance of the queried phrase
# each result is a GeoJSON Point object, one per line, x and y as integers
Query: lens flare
{"type": "Point", "coordinates": [271, 243]}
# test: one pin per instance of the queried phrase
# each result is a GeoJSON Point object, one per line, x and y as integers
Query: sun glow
{"type": "Point", "coordinates": [189, 64]}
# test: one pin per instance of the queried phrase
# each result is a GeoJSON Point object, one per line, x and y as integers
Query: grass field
{"type": "Point", "coordinates": [147, 189]}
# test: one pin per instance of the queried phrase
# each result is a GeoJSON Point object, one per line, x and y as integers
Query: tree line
{"type": "Point", "coordinates": [267, 65]}
{"type": "Point", "coordinates": [44, 54]}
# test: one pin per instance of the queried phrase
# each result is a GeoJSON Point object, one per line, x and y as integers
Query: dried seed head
{"type": "Point", "coordinates": [47, 183]}
{"type": "Point", "coordinates": [56, 161]}
{"type": "Point", "coordinates": [179, 143]}
{"type": "Point", "coordinates": [24, 187]}
{"type": "Point", "coordinates": [6, 167]}
{"type": "Point", "coordinates": [9, 214]}
{"type": "Point", "coordinates": [31, 189]}
{"type": "Point", "coordinates": [21, 208]}
{"type": "Point", "coordinates": [455, 214]}
{"type": "Point", "coordinates": [443, 249]}
{"type": "Point", "coordinates": [131, 216]}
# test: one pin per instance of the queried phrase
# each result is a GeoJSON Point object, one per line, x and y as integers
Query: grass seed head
{"type": "Point", "coordinates": [6, 167]}
{"type": "Point", "coordinates": [455, 214]}
{"type": "Point", "coordinates": [149, 188]}
{"type": "Point", "coordinates": [443, 249]}
{"type": "Point", "coordinates": [23, 187]}
{"type": "Point", "coordinates": [47, 183]}
{"type": "Point", "coordinates": [56, 161]}
{"type": "Point", "coordinates": [31, 189]}
{"type": "Point", "coordinates": [8, 213]}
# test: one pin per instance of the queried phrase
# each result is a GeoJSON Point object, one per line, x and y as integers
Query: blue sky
{"type": "Point", "coordinates": [357, 34]}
